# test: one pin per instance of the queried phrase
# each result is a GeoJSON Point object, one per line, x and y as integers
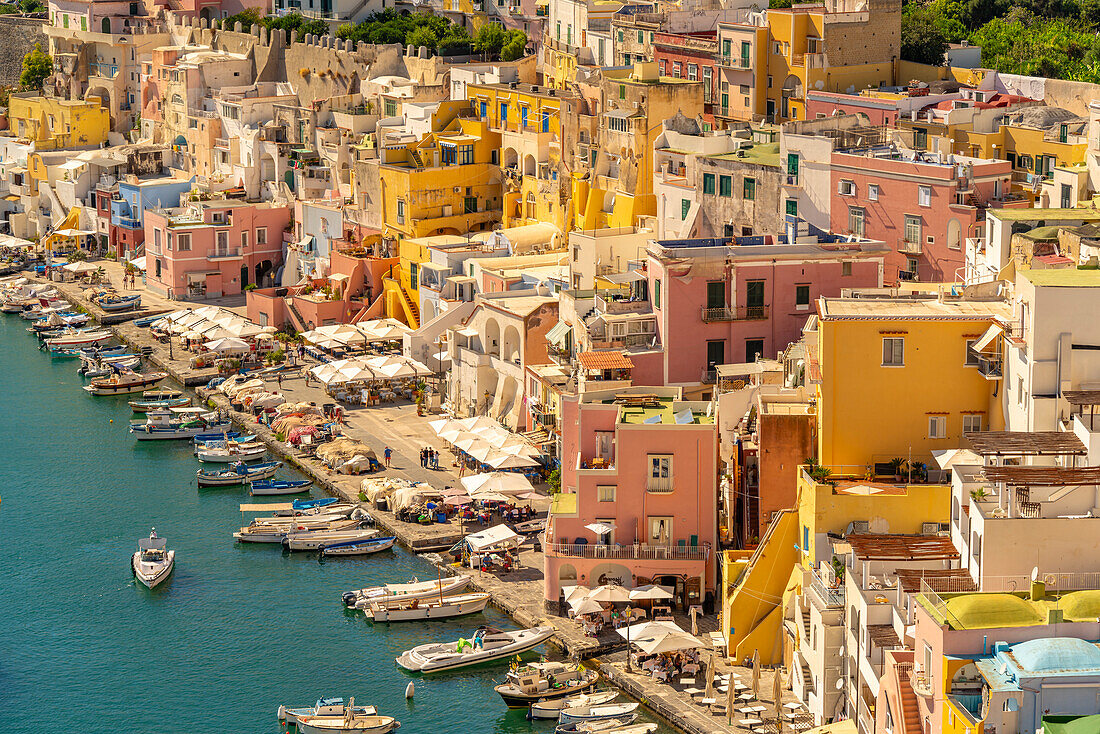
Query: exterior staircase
{"type": "Point", "coordinates": [296, 319]}
{"type": "Point", "coordinates": [910, 712]}
{"type": "Point", "coordinates": [807, 680]}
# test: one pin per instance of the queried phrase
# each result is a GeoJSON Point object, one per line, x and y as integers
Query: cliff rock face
{"type": "Point", "coordinates": [19, 34]}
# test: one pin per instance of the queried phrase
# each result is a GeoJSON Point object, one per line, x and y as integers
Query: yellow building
{"type": "Point", "coordinates": [446, 182]}
{"type": "Point", "coordinates": [617, 188]}
{"type": "Point", "coordinates": [53, 124]}
{"type": "Point", "coordinates": [528, 119]}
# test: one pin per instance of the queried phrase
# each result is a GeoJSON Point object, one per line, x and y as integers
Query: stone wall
{"type": "Point", "coordinates": [20, 33]}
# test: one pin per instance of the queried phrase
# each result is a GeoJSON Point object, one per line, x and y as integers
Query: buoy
{"type": "Point", "coordinates": [409, 690]}
{"type": "Point", "coordinates": [112, 420]}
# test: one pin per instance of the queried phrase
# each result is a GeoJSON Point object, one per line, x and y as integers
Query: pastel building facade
{"type": "Point", "coordinates": [132, 200]}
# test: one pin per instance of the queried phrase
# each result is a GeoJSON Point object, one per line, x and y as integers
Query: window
{"type": "Point", "coordinates": [660, 473]}
{"type": "Point", "coordinates": [846, 268]}
{"type": "Point", "coordinates": [391, 108]}
{"type": "Point", "coordinates": [971, 357]}
{"type": "Point", "coordinates": [618, 124]}
{"type": "Point", "coordinates": [557, 32]}
{"type": "Point", "coordinates": [748, 190]}
{"type": "Point", "coordinates": [912, 229]}
{"type": "Point", "coordinates": [855, 221]}
{"type": "Point", "coordinates": [605, 493]}
{"type": "Point", "coordinates": [622, 91]}
{"type": "Point", "coordinates": [676, 67]}
{"type": "Point", "coordinates": [661, 67]}
{"type": "Point", "coordinates": [183, 242]}
{"type": "Point", "coordinates": [725, 185]}
{"type": "Point", "coordinates": [693, 72]}
{"type": "Point", "coordinates": [846, 188]}
{"type": "Point", "coordinates": [920, 138]}
{"type": "Point", "coordinates": [469, 205]}
{"type": "Point", "coordinates": [1019, 391]}
{"type": "Point", "coordinates": [222, 240]}
{"type": "Point", "coordinates": [685, 207]}
{"type": "Point", "coordinates": [1067, 195]}
{"type": "Point", "coordinates": [660, 530]}
{"type": "Point", "coordinates": [937, 426]}
{"type": "Point", "coordinates": [657, 293]}
{"type": "Point", "coordinates": [792, 207]}
{"type": "Point", "coordinates": [465, 155]}
{"type": "Point", "coordinates": [746, 53]}
{"type": "Point", "coordinates": [448, 155]}
{"type": "Point", "coordinates": [802, 297]}
{"type": "Point", "coordinates": [261, 235]}
{"type": "Point", "coordinates": [872, 192]}
{"type": "Point", "coordinates": [503, 113]}
{"type": "Point", "coordinates": [727, 46]}
{"type": "Point", "coordinates": [641, 36]}
{"type": "Point", "coordinates": [792, 168]}
{"type": "Point", "coordinates": [156, 240]}
{"type": "Point", "coordinates": [972, 423]}
{"type": "Point", "coordinates": [620, 33]}
{"type": "Point", "coordinates": [754, 350]}
{"type": "Point", "coordinates": [400, 211]}
{"type": "Point", "coordinates": [708, 183]}
{"type": "Point", "coordinates": [893, 351]}
{"type": "Point", "coordinates": [924, 196]}
{"type": "Point", "coordinates": [244, 240]}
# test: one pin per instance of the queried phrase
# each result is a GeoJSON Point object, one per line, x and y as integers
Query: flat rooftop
{"type": "Point", "coordinates": [663, 411]}
{"type": "Point", "coordinates": [1034, 215]}
{"type": "Point", "coordinates": [872, 547]}
{"type": "Point", "coordinates": [871, 309]}
{"type": "Point", "coordinates": [1064, 277]}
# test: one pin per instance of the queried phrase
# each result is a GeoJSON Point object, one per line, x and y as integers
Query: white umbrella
{"type": "Point", "coordinates": [643, 630]}
{"type": "Point", "coordinates": [609, 593]}
{"type": "Point", "coordinates": [489, 497]}
{"type": "Point", "coordinates": [503, 482]}
{"type": "Point", "coordinates": [650, 592]}
{"type": "Point", "coordinates": [600, 528]}
{"type": "Point", "coordinates": [80, 267]}
{"type": "Point", "coordinates": [501, 460]}
{"type": "Point", "coordinates": [228, 345]}
{"type": "Point", "coordinates": [243, 330]}
{"type": "Point", "coordinates": [586, 606]}
{"type": "Point", "coordinates": [575, 592]}
{"type": "Point", "coordinates": [668, 641]}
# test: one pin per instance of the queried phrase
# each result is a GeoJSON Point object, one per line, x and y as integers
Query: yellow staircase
{"type": "Point", "coordinates": [71, 221]}
{"type": "Point", "coordinates": [396, 292]}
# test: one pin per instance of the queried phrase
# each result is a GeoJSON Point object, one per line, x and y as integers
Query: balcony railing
{"type": "Point", "coordinates": [734, 62]}
{"type": "Point", "coordinates": [991, 368]}
{"type": "Point", "coordinates": [630, 552]}
{"type": "Point", "coordinates": [734, 313]}
{"type": "Point", "coordinates": [910, 247]}
{"type": "Point", "coordinates": [129, 223]}
{"type": "Point", "coordinates": [832, 596]}
{"type": "Point", "coordinates": [222, 253]}
{"type": "Point", "coordinates": [790, 179]}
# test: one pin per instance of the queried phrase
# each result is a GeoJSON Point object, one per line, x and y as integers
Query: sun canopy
{"type": "Point", "coordinates": [495, 538]}
{"type": "Point", "coordinates": [80, 267]}
{"type": "Point", "coordinates": [500, 482]}
{"type": "Point", "coordinates": [228, 345]}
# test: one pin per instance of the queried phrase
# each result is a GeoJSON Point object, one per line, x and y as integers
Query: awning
{"type": "Point", "coordinates": [500, 536]}
{"type": "Point", "coordinates": [620, 114]}
{"type": "Point", "coordinates": [619, 278]}
{"type": "Point", "coordinates": [138, 262]}
{"type": "Point", "coordinates": [988, 338]}
{"type": "Point", "coordinates": [558, 333]}
{"type": "Point", "coordinates": [467, 332]}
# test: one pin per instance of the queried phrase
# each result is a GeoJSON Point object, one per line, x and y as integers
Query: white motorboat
{"type": "Point", "coordinates": [605, 726]}
{"type": "Point", "coordinates": [359, 547]}
{"type": "Point", "coordinates": [79, 339]}
{"type": "Point", "coordinates": [596, 713]}
{"type": "Point", "coordinates": [276, 532]}
{"type": "Point", "coordinates": [125, 383]}
{"type": "Point", "coordinates": [412, 590]}
{"type": "Point", "coordinates": [177, 423]}
{"type": "Point", "coordinates": [324, 707]}
{"type": "Point", "coordinates": [552, 708]}
{"type": "Point", "coordinates": [232, 452]}
{"type": "Point", "coordinates": [410, 610]}
{"type": "Point", "coordinates": [540, 681]}
{"type": "Point", "coordinates": [485, 645]}
{"type": "Point", "coordinates": [311, 540]}
{"type": "Point", "coordinates": [152, 563]}
{"type": "Point", "coordinates": [347, 724]}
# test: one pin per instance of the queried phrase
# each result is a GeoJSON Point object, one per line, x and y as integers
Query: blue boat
{"type": "Point", "coordinates": [113, 302]}
{"type": "Point", "coordinates": [207, 437]}
{"type": "Point", "coordinates": [311, 504]}
{"type": "Point", "coordinates": [269, 486]}
{"type": "Point", "coordinates": [237, 474]}
{"type": "Point", "coordinates": [358, 547]}
{"type": "Point", "coordinates": [219, 442]}
{"type": "Point", "coordinates": [147, 320]}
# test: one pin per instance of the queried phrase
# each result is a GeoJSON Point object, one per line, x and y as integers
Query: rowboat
{"type": "Point", "coordinates": [144, 406]}
{"type": "Point", "coordinates": [92, 351]}
{"type": "Point", "coordinates": [112, 302]}
{"type": "Point", "coordinates": [79, 339]}
{"type": "Point", "coordinates": [176, 423]}
{"type": "Point", "coordinates": [618, 725]}
{"type": "Point", "coordinates": [89, 362]}
{"type": "Point", "coordinates": [412, 590]}
{"type": "Point", "coordinates": [358, 547]}
{"type": "Point", "coordinates": [486, 644]}
{"type": "Point", "coordinates": [348, 723]}
{"type": "Point", "coordinates": [124, 384]}
{"type": "Point", "coordinates": [237, 474]}
{"type": "Point", "coordinates": [411, 610]}
{"type": "Point", "coordinates": [271, 533]}
{"type": "Point", "coordinates": [324, 707]}
{"type": "Point", "coordinates": [596, 713]}
{"type": "Point", "coordinates": [552, 708]}
{"type": "Point", "coordinates": [125, 362]}
{"type": "Point", "coordinates": [161, 393]}
{"type": "Point", "coordinates": [311, 540]}
{"type": "Point", "coordinates": [262, 487]}
{"type": "Point", "coordinates": [211, 438]}
{"type": "Point", "coordinates": [152, 563]}
{"type": "Point", "coordinates": [538, 681]}
{"type": "Point", "coordinates": [231, 453]}
{"type": "Point", "coordinates": [146, 320]}
{"type": "Point", "coordinates": [311, 504]}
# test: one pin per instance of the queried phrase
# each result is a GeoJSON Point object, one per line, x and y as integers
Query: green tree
{"type": "Point", "coordinates": [457, 41]}
{"type": "Point", "coordinates": [922, 39]}
{"type": "Point", "coordinates": [37, 65]}
{"type": "Point", "coordinates": [247, 18]}
{"type": "Point", "coordinates": [423, 36]}
{"type": "Point", "coordinates": [515, 46]}
{"type": "Point", "coordinates": [490, 39]}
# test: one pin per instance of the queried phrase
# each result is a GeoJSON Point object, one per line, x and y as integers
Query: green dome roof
{"type": "Point", "coordinates": [1083, 606]}
{"type": "Point", "coordinates": [978, 611]}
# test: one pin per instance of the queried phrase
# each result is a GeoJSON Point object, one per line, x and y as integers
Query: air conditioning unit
{"type": "Point", "coordinates": [458, 190]}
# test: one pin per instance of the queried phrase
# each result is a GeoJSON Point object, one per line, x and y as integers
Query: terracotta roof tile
{"type": "Point", "coordinates": [607, 359]}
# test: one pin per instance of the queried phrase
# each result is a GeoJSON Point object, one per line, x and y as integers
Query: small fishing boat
{"type": "Point", "coordinates": [106, 368]}
{"type": "Point", "coordinates": [552, 708]}
{"type": "Point", "coordinates": [218, 438]}
{"type": "Point", "coordinates": [263, 487]}
{"type": "Point", "coordinates": [113, 302]}
{"type": "Point", "coordinates": [232, 452]}
{"type": "Point", "coordinates": [312, 540]}
{"type": "Point", "coordinates": [406, 610]}
{"type": "Point", "coordinates": [350, 722]}
{"type": "Point", "coordinates": [152, 563]}
{"type": "Point", "coordinates": [161, 393]}
{"type": "Point", "coordinates": [124, 383]}
{"type": "Point", "coordinates": [485, 645]}
{"type": "Point", "coordinates": [618, 725]}
{"type": "Point", "coordinates": [78, 339]}
{"type": "Point", "coordinates": [236, 474]}
{"type": "Point", "coordinates": [92, 351]}
{"type": "Point", "coordinates": [176, 423]}
{"type": "Point", "coordinates": [535, 682]}
{"type": "Point", "coordinates": [147, 320]}
{"type": "Point", "coordinates": [144, 406]}
{"type": "Point", "coordinates": [531, 526]}
{"type": "Point", "coordinates": [596, 713]}
{"type": "Point", "coordinates": [311, 504]}
{"type": "Point", "coordinates": [358, 547]}
{"type": "Point", "coordinates": [273, 533]}
{"type": "Point", "coordinates": [412, 590]}
{"type": "Point", "coordinates": [329, 706]}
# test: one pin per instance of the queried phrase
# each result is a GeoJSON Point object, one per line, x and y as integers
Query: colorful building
{"type": "Point", "coordinates": [133, 198]}
{"type": "Point", "coordinates": [51, 123]}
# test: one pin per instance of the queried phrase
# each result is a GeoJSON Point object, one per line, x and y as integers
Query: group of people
{"type": "Point", "coordinates": [429, 458]}
{"type": "Point", "coordinates": [671, 665]}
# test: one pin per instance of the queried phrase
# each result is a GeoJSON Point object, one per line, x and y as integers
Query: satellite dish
{"type": "Point", "coordinates": [840, 652]}
{"type": "Point", "coordinates": [840, 684]}
{"type": "Point", "coordinates": [1034, 574]}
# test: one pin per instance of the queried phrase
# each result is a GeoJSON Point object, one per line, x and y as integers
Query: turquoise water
{"type": "Point", "coordinates": [235, 632]}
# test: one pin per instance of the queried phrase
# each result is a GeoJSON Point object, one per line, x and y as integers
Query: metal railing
{"type": "Point", "coordinates": [910, 247]}
{"type": "Point", "coordinates": [630, 552]}
{"type": "Point", "coordinates": [832, 596]}
{"type": "Point", "coordinates": [734, 62]}
{"type": "Point", "coordinates": [990, 367]}
{"type": "Point", "coordinates": [734, 313]}
{"type": "Point", "coordinates": [223, 252]}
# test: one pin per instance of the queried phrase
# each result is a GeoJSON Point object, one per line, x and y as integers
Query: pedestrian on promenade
{"type": "Point", "coordinates": [423, 458]}
{"type": "Point", "coordinates": [435, 459]}
{"type": "Point", "coordinates": [279, 379]}
{"type": "Point", "coordinates": [389, 453]}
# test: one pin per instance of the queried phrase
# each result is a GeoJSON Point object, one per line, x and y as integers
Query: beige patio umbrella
{"type": "Point", "coordinates": [694, 621]}
{"type": "Point", "coordinates": [731, 699]}
{"type": "Point", "coordinates": [777, 694]}
{"type": "Point", "coordinates": [756, 674]}
{"type": "Point", "coordinates": [709, 693]}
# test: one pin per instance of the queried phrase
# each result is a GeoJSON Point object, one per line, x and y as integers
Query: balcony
{"type": "Point", "coordinates": [129, 223]}
{"type": "Point", "coordinates": [910, 246]}
{"type": "Point", "coordinates": [734, 62]}
{"type": "Point", "coordinates": [921, 682]}
{"type": "Point", "coordinates": [734, 313]}
{"type": "Point", "coordinates": [630, 552]}
{"type": "Point", "coordinates": [791, 179]}
{"type": "Point", "coordinates": [224, 253]}
{"type": "Point", "coordinates": [832, 595]}
{"type": "Point", "coordinates": [809, 60]}
{"type": "Point", "coordinates": [990, 367]}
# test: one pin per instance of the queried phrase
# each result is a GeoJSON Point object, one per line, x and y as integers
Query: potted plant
{"type": "Point", "coordinates": [978, 494]}
{"type": "Point", "coordinates": [919, 470]}
{"type": "Point", "coordinates": [897, 464]}
{"type": "Point", "coordinates": [418, 397]}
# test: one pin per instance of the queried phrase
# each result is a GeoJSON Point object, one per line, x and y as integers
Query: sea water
{"type": "Point", "coordinates": [235, 632]}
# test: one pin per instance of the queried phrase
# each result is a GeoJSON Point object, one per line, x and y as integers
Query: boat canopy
{"type": "Point", "coordinates": [152, 543]}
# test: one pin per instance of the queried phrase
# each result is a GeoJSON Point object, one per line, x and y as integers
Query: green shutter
{"type": "Point", "coordinates": [685, 206]}
{"type": "Point", "coordinates": [708, 183]}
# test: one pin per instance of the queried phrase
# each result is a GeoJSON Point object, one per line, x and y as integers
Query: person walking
{"type": "Point", "coordinates": [279, 379]}
{"type": "Point", "coordinates": [388, 453]}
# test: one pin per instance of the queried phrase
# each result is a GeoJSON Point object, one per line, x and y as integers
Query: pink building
{"type": "Point", "coordinates": [211, 249]}
{"type": "Point", "coordinates": [645, 463]}
{"type": "Point", "coordinates": [922, 205]}
{"type": "Point", "coordinates": [722, 301]}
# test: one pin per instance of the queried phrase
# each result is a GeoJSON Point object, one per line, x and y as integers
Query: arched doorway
{"type": "Point", "coordinates": [263, 274]}
{"type": "Point", "coordinates": [205, 14]}
{"type": "Point", "coordinates": [106, 25]}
